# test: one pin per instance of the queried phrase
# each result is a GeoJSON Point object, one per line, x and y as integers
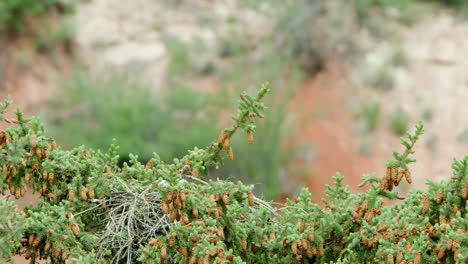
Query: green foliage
{"type": "Point", "coordinates": [216, 221]}
{"type": "Point", "coordinates": [369, 113]}
{"type": "Point", "coordinates": [399, 122]}
{"type": "Point", "coordinates": [14, 13]}
{"type": "Point", "coordinates": [116, 107]}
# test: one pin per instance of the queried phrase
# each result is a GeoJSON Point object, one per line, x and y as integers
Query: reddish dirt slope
{"type": "Point", "coordinates": [329, 132]}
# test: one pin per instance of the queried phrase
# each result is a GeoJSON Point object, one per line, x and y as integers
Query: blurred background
{"type": "Point", "coordinates": [348, 78]}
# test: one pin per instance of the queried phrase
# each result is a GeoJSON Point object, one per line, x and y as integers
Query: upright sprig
{"type": "Point", "coordinates": [249, 108]}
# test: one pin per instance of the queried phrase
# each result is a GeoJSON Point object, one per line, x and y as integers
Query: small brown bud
{"type": "Point", "coordinates": [149, 165]}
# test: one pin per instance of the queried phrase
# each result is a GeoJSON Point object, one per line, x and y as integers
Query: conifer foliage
{"type": "Point", "coordinates": [93, 211]}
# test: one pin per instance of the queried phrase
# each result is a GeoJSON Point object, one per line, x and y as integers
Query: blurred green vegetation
{"type": "Point", "coordinates": [399, 121]}
{"type": "Point", "coordinates": [92, 111]}
{"type": "Point", "coordinates": [14, 13]}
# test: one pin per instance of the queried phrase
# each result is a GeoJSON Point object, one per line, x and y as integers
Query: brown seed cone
{"type": "Point", "coordinates": [382, 228]}
{"type": "Point", "coordinates": [107, 170]}
{"type": "Point", "coordinates": [244, 244]}
{"type": "Point", "coordinates": [250, 137]}
{"type": "Point", "coordinates": [184, 219]}
{"type": "Point", "coordinates": [164, 207]}
{"type": "Point", "coordinates": [53, 145]}
{"type": "Point", "coordinates": [407, 174]}
{"type": "Point", "coordinates": [365, 204]}
{"type": "Point", "coordinates": [425, 204]}
{"type": "Point", "coordinates": [47, 246]}
{"type": "Point", "coordinates": [320, 250]}
{"type": "Point", "coordinates": [449, 244]}
{"type": "Point", "coordinates": [464, 192]}
{"type": "Point", "coordinates": [195, 212]}
{"type": "Point", "coordinates": [148, 165]}
{"type": "Point", "coordinates": [171, 241]}
{"type": "Point", "coordinates": [45, 188]}
{"type": "Point", "coordinates": [35, 166]}
{"type": "Point", "coordinates": [83, 194]}
{"type": "Point", "coordinates": [441, 253]}
{"type": "Point", "coordinates": [193, 260]}
{"type": "Point", "coordinates": [222, 138]}
{"type": "Point", "coordinates": [163, 252]}
{"type": "Point", "coordinates": [172, 216]}
{"type": "Point", "coordinates": [369, 215]}
{"type": "Point", "coordinates": [27, 255]}
{"type": "Point", "coordinates": [31, 239]}
{"type": "Point", "coordinates": [51, 177]}
{"type": "Point", "coordinates": [394, 171]}
{"type": "Point", "coordinates": [439, 196]}
{"type": "Point", "coordinates": [45, 175]}
{"type": "Point", "coordinates": [64, 255]}
{"type": "Point", "coordinates": [399, 257]}
{"type": "Point", "coordinates": [400, 176]}
{"type": "Point", "coordinates": [195, 172]}
{"type": "Point", "coordinates": [418, 258]}
{"type": "Point", "coordinates": [36, 241]}
{"type": "Point", "coordinates": [230, 154]}
{"type": "Point", "coordinates": [71, 195]}
{"type": "Point", "coordinates": [390, 259]}
{"type": "Point", "coordinates": [301, 227]}
{"type": "Point", "coordinates": [250, 197]}
{"type": "Point", "coordinates": [294, 248]}
{"type": "Point", "coordinates": [52, 195]}
{"type": "Point", "coordinates": [17, 193]}
{"type": "Point", "coordinates": [272, 236]}
{"type": "Point", "coordinates": [39, 152]}
{"type": "Point", "coordinates": [32, 141]}
{"type": "Point", "coordinates": [384, 184]}
{"type": "Point", "coordinates": [225, 198]}
{"type": "Point", "coordinates": [27, 177]}
{"type": "Point", "coordinates": [57, 251]}
{"type": "Point", "coordinates": [75, 229]}
{"type": "Point", "coordinates": [310, 235]}
{"type": "Point", "coordinates": [91, 193]}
